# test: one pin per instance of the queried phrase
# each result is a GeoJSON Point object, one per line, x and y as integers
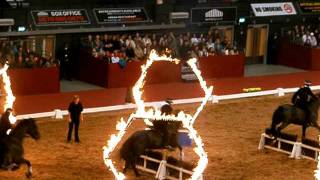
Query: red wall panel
{"type": "Point", "coordinates": [34, 81]}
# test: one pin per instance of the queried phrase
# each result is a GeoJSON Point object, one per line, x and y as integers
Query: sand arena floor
{"type": "Point", "coordinates": [230, 131]}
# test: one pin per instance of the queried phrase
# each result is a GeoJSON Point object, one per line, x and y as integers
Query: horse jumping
{"type": "Point", "coordinates": [290, 114]}
{"type": "Point", "coordinates": [141, 141]}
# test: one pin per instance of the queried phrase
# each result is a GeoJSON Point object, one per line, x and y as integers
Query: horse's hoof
{"type": "Point", "coordinates": [28, 175]}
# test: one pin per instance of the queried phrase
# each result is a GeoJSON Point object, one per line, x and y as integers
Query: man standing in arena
{"type": "Point", "coordinates": [5, 124]}
{"type": "Point", "coordinates": [75, 115]}
{"type": "Point", "coordinates": [303, 97]}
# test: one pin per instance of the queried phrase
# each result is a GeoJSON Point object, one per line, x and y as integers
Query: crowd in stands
{"type": "Point", "coordinates": [18, 56]}
{"type": "Point", "coordinates": [304, 35]}
{"type": "Point", "coordinates": [118, 48]}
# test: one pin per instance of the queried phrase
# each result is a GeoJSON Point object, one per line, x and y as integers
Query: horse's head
{"type": "Point", "coordinates": [30, 127]}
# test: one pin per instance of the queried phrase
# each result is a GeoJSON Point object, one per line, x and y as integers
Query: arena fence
{"type": "Point", "coordinates": [295, 149]}
{"type": "Point", "coordinates": [161, 173]}
{"type": "Point", "coordinates": [58, 114]}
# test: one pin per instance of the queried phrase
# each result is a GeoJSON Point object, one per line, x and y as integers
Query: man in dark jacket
{"type": "Point", "coordinates": [65, 57]}
{"type": "Point", "coordinates": [75, 115]}
{"type": "Point", "coordinates": [303, 97]}
{"type": "Point", "coordinates": [5, 124]}
{"type": "Point", "coordinates": [162, 126]}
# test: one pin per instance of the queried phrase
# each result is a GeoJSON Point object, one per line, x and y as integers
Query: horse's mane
{"type": "Point", "coordinates": [21, 124]}
{"type": "Point", "coordinates": [25, 122]}
{"type": "Point", "coordinates": [315, 102]}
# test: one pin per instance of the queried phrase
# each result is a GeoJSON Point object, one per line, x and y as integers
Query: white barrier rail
{"type": "Point", "coordinates": [179, 169]}
{"type": "Point", "coordinates": [215, 99]}
{"type": "Point", "coordinates": [297, 151]}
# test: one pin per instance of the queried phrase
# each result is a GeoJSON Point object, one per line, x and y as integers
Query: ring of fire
{"type": "Point", "coordinates": [186, 119]}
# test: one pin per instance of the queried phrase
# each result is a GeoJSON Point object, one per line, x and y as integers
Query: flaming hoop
{"type": "Point", "coordinates": [154, 114]}
{"type": "Point", "coordinates": [9, 100]}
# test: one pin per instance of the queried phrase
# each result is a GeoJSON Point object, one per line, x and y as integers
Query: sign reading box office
{"type": "Point", "coordinates": [213, 14]}
{"type": "Point", "coordinates": [273, 9]}
{"type": "Point", "coordinates": [120, 15]}
{"type": "Point", "coordinates": [60, 17]}
{"type": "Point", "coordinates": [309, 7]}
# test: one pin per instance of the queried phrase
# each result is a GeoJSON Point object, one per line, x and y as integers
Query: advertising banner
{"type": "Point", "coordinates": [213, 14]}
{"type": "Point", "coordinates": [273, 9]}
{"type": "Point", "coordinates": [120, 15]}
{"type": "Point", "coordinates": [60, 17]}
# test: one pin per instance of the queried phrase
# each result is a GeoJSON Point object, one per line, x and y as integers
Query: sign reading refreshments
{"type": "Point", "coordinates": [309, 7]}
{"type": "Point", "coordinates": [213, 14]}
{"type": "Point", "coordinates": [60, 17]}
{"type": "Point", "coordinates": [120, 15]}
{"type": "Point", "coordinates": [273, 9]}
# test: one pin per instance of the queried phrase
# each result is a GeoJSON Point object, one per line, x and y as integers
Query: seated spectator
{"type": "Point", "coordinates": [210, 44]}
{"type": "Point", "coordinates": [298, 39]}
{"type": "Point", "coordinates": [313, 40]}
{"type": "Point", "coordinates": [20, 62]}
{"type": "Point", "coordinates": [146, 40]}
{"type": "Point", "coordinates": [123, 60]}
{"type": "Point", "coordinates": [115, 43]}
{"type": "Point", "coordinates": [87, 42]}
{"type": "Point", "coordinates": [138, 51]}
{"type": "Point", "coordinates": [139, 47]}
{"type": "Point", "coordinates": [98, 45]}
{"type": "Point", "coordinates": [218, 46]}
{"type": "Point", "coordinates": [130, 42]}
{"type": "Point", "coordinates": [130, 52]}
{"type": "Point", "coordinates": [211, 51]}
{"type": "Point", "coordinates": [306, 38]}
{"type": "Point", "coordinates": [114, 58]}
{"type": "Point", "coordinates": [194, 40]}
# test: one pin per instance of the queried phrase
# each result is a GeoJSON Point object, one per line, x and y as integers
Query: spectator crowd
{"type": "Point", "coordinates": [307, 35]}
{"type": "Point", "coordinates": [119, 48]}
{"type": "Point", "coordinates": [18, 56]}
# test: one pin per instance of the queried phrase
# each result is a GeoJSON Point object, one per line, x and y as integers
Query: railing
{"type": "Point", "coordinates": [57, 113]}
{"type": "Point", "coordinates": [297, 151]}
{"type": "Point", "coordinates": [161, 170]}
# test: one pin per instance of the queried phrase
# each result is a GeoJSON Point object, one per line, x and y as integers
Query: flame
{"type": "Point", "coordinates": [137, 89]}
{"type": "Point", "coordinates": [9, 100]}
{"type": "Point", "coordinates": [155, 114]}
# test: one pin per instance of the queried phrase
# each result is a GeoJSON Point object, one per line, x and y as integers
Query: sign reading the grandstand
{"type": "Point", "coordinates": [60, 17]}
{"type": "Point", "coordinates": [213, 14]}
{"type": "Point", "coordinates": [273, 9]}
{"type": "Point", "coordinates": [120, 15]}
{"type": "Point", "coordinates": [309, 7]}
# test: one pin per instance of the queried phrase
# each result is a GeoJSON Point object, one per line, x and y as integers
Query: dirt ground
{"type": "Point", "coordinates": [230, 131]}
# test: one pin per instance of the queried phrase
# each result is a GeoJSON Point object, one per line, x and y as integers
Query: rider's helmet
{"type": "Point", "coordinates": [307, 83]}
{"type": "Point", "coordinates": [169, 101]}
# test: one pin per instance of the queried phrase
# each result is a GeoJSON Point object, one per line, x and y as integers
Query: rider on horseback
{"type": "Point", "coordinates": [162, 126]}
{"type": "Point", "coordinates": [5, 124]}
{"type": "Point", "coordinates": [303, 97]}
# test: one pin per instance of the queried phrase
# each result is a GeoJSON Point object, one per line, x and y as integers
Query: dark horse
{"type": "Point", "coordinates": [11, 146]}
{"type": "Point", "coordinates": [289, 114]}
{"type": "Point", "coordinates": [143, 140]}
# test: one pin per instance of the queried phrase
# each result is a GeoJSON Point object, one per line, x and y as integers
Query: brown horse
{"type": "Point", "coordinates": [289, 114]}
{"type": "Point", "coordinates": [11, 146]}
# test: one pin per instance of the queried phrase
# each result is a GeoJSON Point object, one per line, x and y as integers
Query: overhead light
{"type": "Point", "coordinates": [21, 28]}
{"type": "Point", "coordinates": [242, 20]}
